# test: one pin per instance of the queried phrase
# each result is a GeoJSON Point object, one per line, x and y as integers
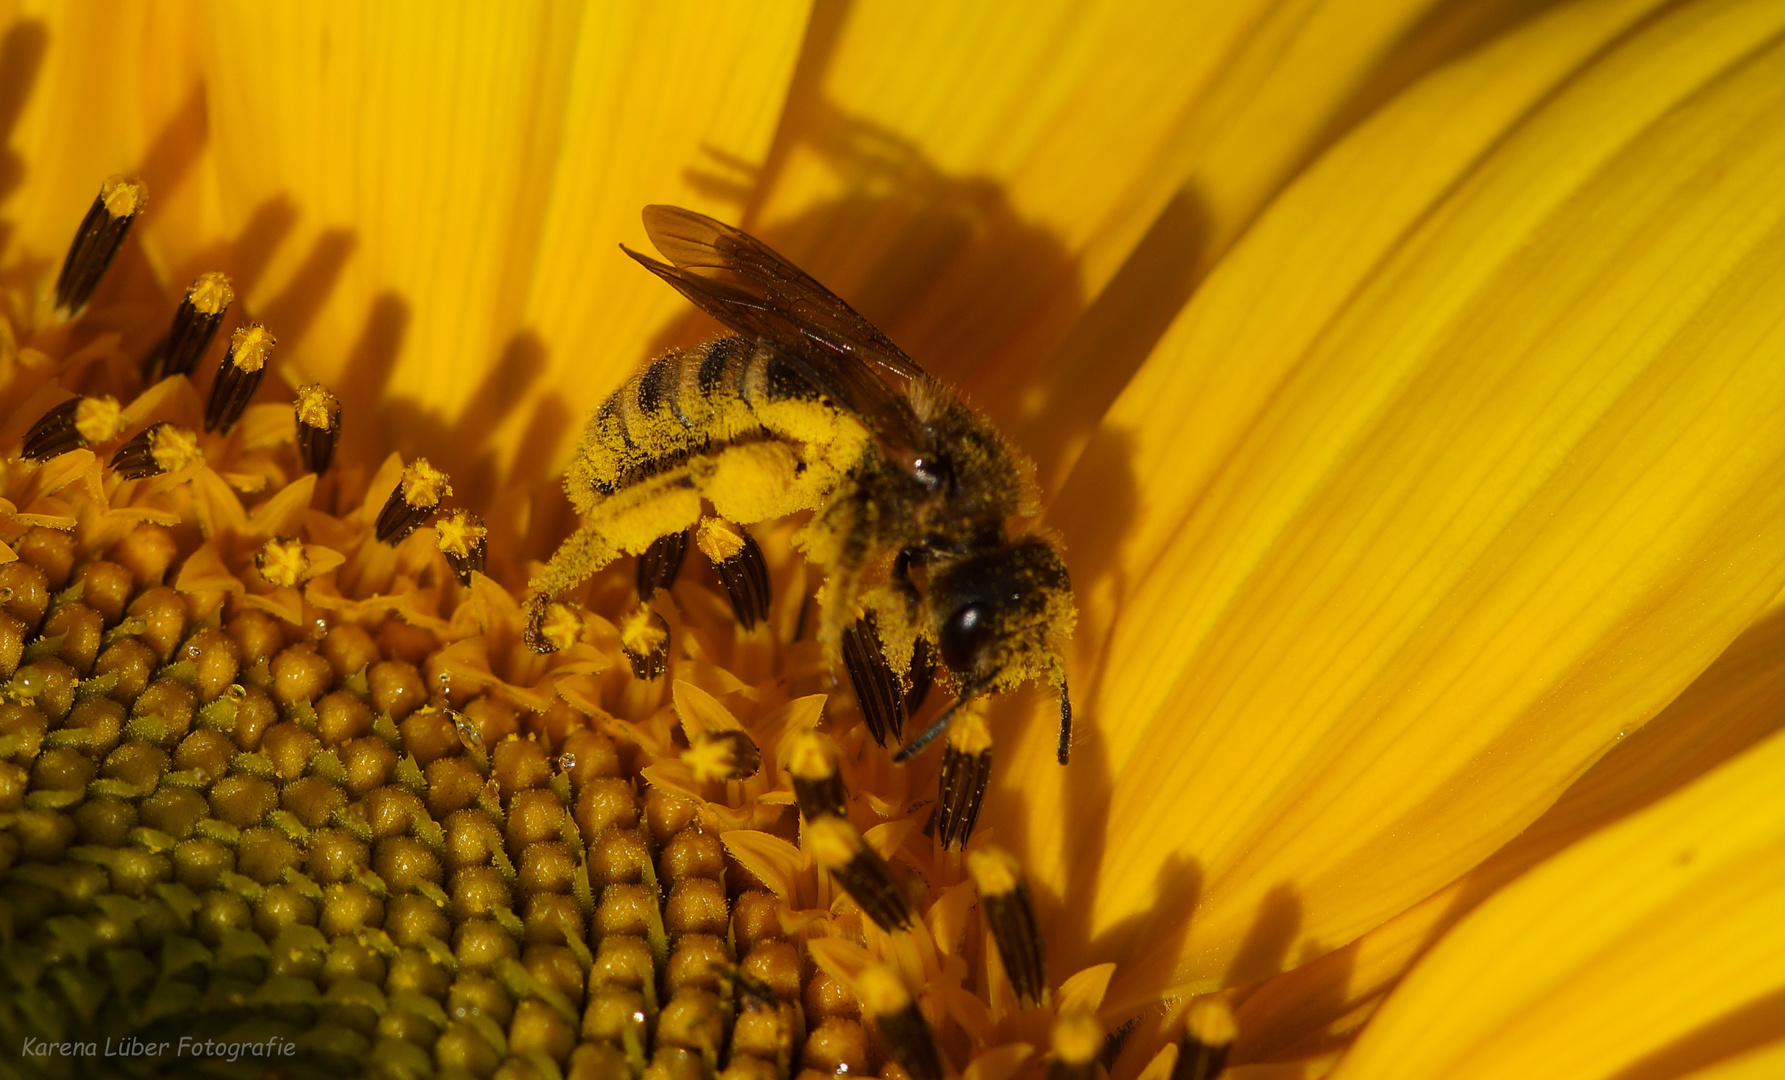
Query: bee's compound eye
{"type": "Point", "coordinates": [965, 633]}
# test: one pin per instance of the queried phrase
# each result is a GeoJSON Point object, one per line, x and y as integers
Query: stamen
{"type": "Point", "coordinates": [462, 539]}
{"type": "Point", "coordinates": [877, 689]}
{"type": "Point", "coordinates": [735, 555]}
{"type": "Point", "coordinates": [1009, 913]}
{"type": "Point", "coordinates": [195, 324]}
{"type": "Point", "coordinates": [76, 423]}
{"type": "Point", "coordinates": [725, 755]}
{"type": "Point", "coordinates": [318, 426]}
{"type": "Point", "coordinates": [660, 563]}
{"type": "Point", "coordinates": [1065, 750]}
{"type": "Point", "coordinates": [921, 675]}
{"type": "Point", "coordinates": [158, 448]}
{"type": "Point", "coordinates": [864, 875]}
{"type": "Point", "coordinates": [414, 499]}
{"type": "Point", "coordinates": [282, 561]}
{"type": "Point", "coordinates": [1076, 1039]}
{"type": "Point", "coordinates": [1209, 1032]}
{"type": "Point", "coordinates": [97, 241]}
{"type": "Point", "coordinates": [817, 785]}
{"type": "Point", "coordinates": [562, 626]}
{"type": "Point", "coordinates": [966, 770]}
{"type": "Point", "coordinates": [238, 376]}
{"type": "Point", "coordinates": [901, 1023]}
{"type": "Point", "coordinates": [644, 638]}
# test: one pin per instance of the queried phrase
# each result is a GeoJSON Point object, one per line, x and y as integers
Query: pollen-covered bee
{"type": "Point", "coordinates": [915, 496]}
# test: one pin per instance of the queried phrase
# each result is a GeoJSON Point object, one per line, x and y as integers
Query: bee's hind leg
{"type": "Point", "coordinates": [586, 551]}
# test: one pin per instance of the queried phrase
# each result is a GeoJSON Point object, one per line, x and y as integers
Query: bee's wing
{"type": "Point", "coordinates": [749, 288]}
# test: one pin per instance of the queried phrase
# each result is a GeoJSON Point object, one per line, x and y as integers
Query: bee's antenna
{"type": "Point", "coordinates": [940, 724]}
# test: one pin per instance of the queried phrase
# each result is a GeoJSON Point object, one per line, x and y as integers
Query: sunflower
{"type": "Point", "coordinates": [1404, 382]}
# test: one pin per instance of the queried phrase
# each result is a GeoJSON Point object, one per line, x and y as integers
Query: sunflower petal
{"type": "Point", "coordinates": [1462, 466]}
{"type": "Point", "coordinates": [1649, 949]}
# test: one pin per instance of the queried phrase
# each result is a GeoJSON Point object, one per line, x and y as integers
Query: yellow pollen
{"type": "Point", "coordinates": [1077, 1038]}
{"type": "Point", "coordinates": [282, 561]}
{"type": "Point", "coordinates": [882, 992]}
{"type": "Point", "coordinates": [424, 485]}
{"type": "Point", "coordinates": [711, 759]}
{"type": "Point", "coordinates": [99, 419]}
{"type": "Point", "coordinates": [562, 626]}
{"type": "Point", "coordinates": [123, 196]}
{"type": "Point", "coordinates": [832, 842]}
{"type": "Point", "coordinates": [718, 539]}
{"type": "Point", "coordinates": [250, 346]}
{"type": "Point", "coordinates": [970, 735]}
{"type": "Point", "coordinates": [457, 533]}
{"type": "Point", "coordinates": [317, 407]}
{"type": "Point", "coordinates": [210, 293]}
{"type": "Point", "coordinates": [1210, 1021]}
{"type": "Point", "coordinates": [174, 447]}
{"type": "Point", "coordinates": [808, 758]}
{"type": "Point", "coordinates": [639, 632]}
{"type": "Point", "coordinates": [995, 871]}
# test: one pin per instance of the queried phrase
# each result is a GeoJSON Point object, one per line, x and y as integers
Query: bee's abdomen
{"type": "Point", "coordinates": [687, 403]}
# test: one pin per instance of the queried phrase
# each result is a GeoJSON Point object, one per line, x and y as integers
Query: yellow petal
{"type": "Point", "coordinates": [1646, 950]}
{"type": "Point", "coordinates": [1765, 1063]}
{"type": "Point", "coordinates": [426, 200]}
{"type": "Point", "coordinates": [1737, 702]}
{"type": "Point", "coordinates": [1464, 463]}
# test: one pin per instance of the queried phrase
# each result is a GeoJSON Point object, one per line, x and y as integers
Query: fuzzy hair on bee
{"type": "Point", "coordinates": [916, 499]}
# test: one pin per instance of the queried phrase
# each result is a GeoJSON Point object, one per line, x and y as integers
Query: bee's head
{"type": "Point", "coordinates": [997, 612]}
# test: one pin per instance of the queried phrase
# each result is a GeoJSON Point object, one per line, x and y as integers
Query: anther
{"type": "Point", "coordinates": [318, 426]}
{"type": "Point", "coordinates": [158, 448]}
{"type": "Point", "coordinates": [562, 626]}
{"type": "Point", "coordinates": [195, 324]}
{"type": "Point", "coordinates": [1209, 1031]}
{"type": "Point", "coordinates": [735, 555]}
{"type": "Point", "coordinates": [865, 876]}
{"type": "Point", "coordinates": [238, 376]}
{"type": "Point", "coordinates": [817, 785]}
{"type": "Point", "coordinates": [661, 562]}
{"type": "Point", "coordinates": [724, 755]}
{"type": "Point", "coordinates": [901, 1023]}
{"type": "Point", "coordinates": [97, 241]}
{"type": "Point", "coordinates": [282, 561]}
{"type": "Point", "coordinates": [414, 499]}
{"type": "Point", "coordinates": [877, 689]}
{"type": "Point", "coordinates": [1077, 1040]}
{"type": "Point", "coordinates": [76, 423]}
{"type": "Point", "coordinates": [462, 539]}
{"type": "Point", "coordinates": [644, 638]}
{"type": "Point", "coordinates": [1010, 915]}
{"type": "Point", "coordinates": [922, 673]}
{"type": "Point", "coordinates": [966, 770]}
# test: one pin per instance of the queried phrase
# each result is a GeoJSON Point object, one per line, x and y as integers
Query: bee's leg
{"type": "Point", "coordinates": [939, 725]}
{"type": "Point", "coordinates": [1065, 723]}
{"type": "Point", "coordinates": [735, 555]}
{"type": "Point", "coordinates": [586, 551]}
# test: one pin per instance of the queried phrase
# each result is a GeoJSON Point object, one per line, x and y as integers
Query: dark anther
{"type": "Point", "coordinates": [1065, 750]}
{"type": "Point", "coordinates": [901, 1023]}
{"type": "Point", "coordinates": [158, 448]}
{"type": "Point", "coordinates": [745, 573]}
{"type": "Point", "coordinates": [817, 785]}
{"type": "Point", "coordinates": [76, 423]}
{"type": "Point", "coordinates": [462, 539]}
{"type": "Point", "coordinates": [1010, 915]}
{"type": "Point", "coordinates": [414, 499]}
{"type": "Point", "coordinates": [877, 689]}
{"type": "Point", "coordinates": [859, 869]}
{"type": "Point", "coordinates": [644, 638]}
{"type": "Point", "coordinates": [1209, 1031]}
{"type": "Point", "coordinates": [733, 754]}
{"type": "Point", "coordinates": [660, 563]}
{"type": "Point", "coordinates": [966, 770]}
{"type": "Point", "coordinates": [238, 376]}
{"type": "Point", "coordinates": [100, 236]}
{"type": "Point", "coordinates": [318, 426]}
{"type": "Point", "coordinates": [922, 673]}
{"type": "Point", "coordinates": [195, 324]}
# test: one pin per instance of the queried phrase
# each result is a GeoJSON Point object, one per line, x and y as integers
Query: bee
{"type": "Point", "coordinates": [915, 497]}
